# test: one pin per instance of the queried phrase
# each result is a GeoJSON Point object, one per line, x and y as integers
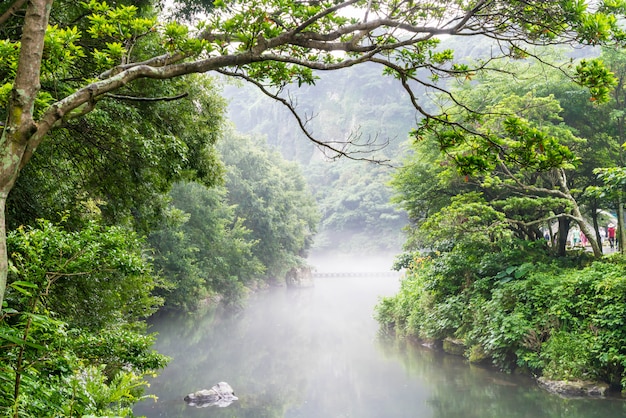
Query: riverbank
{"type": "Point", "coordinates": [564, 388]}
{"type": "Point", "coordinates": [557, 320]}
{"type": "Point", "coordinates": [567, 388]}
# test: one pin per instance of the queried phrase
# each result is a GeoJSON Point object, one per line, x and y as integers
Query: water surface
{"type": "Point", "coordinates": [315, 353]}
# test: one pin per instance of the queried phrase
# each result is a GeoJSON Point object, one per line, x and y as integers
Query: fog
{"type": "Point", "coordinates": [336, 262]}
{"type": "Point", "coordinates": [316, 352]}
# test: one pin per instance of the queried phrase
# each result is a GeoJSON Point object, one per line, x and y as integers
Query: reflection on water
{"type": "Point", "coordinates": [314, 353]}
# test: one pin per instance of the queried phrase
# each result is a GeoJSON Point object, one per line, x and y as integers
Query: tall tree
{"type": "Point", "coordinates": [521, 155]}
{"type": "Point", "coordinates": [86, 169]}
{"type": "Point", "coordinates": [269, 41]}
{"type": "Point", "coordinates": [272, 200]}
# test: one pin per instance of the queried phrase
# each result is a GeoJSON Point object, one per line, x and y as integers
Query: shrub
{"type": "Point", "coordinates": [70, 330]}
{"type": "Point", "coordinates": [561, 320]}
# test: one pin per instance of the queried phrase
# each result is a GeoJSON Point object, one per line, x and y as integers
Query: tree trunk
{"type": "Point", "coordinates": [596, 226]}
{"type": "Point", "coordinates": [578, 216]}
{"type": "Point", "coordinates": [586, 229]}
{"type": "Point", "coordinates": [591, 237]}
{"type": "Point", "coordinates": [4, 261]}
{"type": "Point", "coordinates": [561, 236]}
{"type": "Point", "coordinates": [20, 127]}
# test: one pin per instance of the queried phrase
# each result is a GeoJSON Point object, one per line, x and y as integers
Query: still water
{"type": "Point", "coordinates": [315, 353]}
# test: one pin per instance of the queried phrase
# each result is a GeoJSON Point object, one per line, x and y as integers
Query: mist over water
{"type": "Point", "coordinates": [329, 262]}
{"type": "Point", "coordinates": [316, 353]}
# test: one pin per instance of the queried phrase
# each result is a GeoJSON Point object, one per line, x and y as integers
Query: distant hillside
{"type": "Point", "coordinates": [353, 196]}
{"type": "Point", "coordinates": [357, 100]}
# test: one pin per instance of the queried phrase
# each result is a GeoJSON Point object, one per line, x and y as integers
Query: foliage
{"type": "Point", "coordinates": [76, 300]}
{"type": "Point", "coordinates": [559, 321]}
{"type": "Point", "coordinates": [88, 278]}
{"type": "Point", "coordinates": [85, 171]}
{"type": "Point", "coordinates": [271, 200]}
{"type": "Point", "coordinates": [601, 78]}
{"type": "Point", "coordinates": [55, 379]}
{"type": "Point", "coordinates": [218, 241]}
{"type": "Point", "coordinates": [520, 131]}
{"type": "Point", "coordinates": [468, 218]}
{"type": "Point", "coordinates": [203, 249]}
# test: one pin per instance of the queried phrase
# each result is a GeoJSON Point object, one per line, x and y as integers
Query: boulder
{"type": "Point", "coordinates": [574, 388]}
{"type": "Point", "coordinates": [299, 277]}
{"type": "Point", "coordinates": [454, 346]}
{"type": "Point", "coordinates": [220, 395]}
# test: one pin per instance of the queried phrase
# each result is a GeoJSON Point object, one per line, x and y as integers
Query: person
{"type": "Point", "coordinates": [575, 237]}
{"type": "Point", "coordinates": [610, 232]}
{"type": "Point", "coordinates": [583, 239]}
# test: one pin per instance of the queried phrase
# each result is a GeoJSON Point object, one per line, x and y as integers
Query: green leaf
{"type": "Point", "coordinates": [20, 341]}
{"type": "Point", "coordinates": [23, 283]}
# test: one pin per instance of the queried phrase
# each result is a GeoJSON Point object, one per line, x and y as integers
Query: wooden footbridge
{"type": "Point", "coordinates": [317, 274]}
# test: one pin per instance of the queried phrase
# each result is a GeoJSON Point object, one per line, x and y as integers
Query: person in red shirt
{"type": "Point", "coordinates": [610, 232]}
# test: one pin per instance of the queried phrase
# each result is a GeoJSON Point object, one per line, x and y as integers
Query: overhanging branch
{"type": "Point", "coordinates": [342, 149]}
{"type": "Point", "coordinates": [17, 5]}
{"type": "Point", "coordinates": [147, 99]}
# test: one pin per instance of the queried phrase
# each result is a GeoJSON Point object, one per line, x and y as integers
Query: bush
{"type": "Point", "coordinates": [557, 319]}
{"type": "Point", "coordinates": [70, 334]}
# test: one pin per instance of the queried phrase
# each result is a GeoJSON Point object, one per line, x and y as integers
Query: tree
{"type": "Point", "coordinates": [270, 198]}
{"type": "Point", "coordinates": [75, 317]}
{"type": "Point", "coordinates": [271, 41]}
{"type": "Point", "coordinates": [610, 126]}
{"type": "Point", "coordinates": [85, 170]}
{"type": "Point", "coordinates": [203, 249]}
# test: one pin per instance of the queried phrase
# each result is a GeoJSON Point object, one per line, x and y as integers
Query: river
{"type": "Point", "coordinates": [315, 353]}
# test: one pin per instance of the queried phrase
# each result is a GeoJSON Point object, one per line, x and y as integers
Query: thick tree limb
{"type": "Point", "coordinates": [564, 193]}
{"type": "Point", "coordinates": [147, 99]}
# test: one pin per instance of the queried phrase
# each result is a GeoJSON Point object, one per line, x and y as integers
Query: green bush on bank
{"type": "Point", "coordinates": [72, 335]}
{"type": "Point", "coordinates": [554, 319]}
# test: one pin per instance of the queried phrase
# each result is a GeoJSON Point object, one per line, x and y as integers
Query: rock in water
{"type": "Point", "coordinates": [219, 395]}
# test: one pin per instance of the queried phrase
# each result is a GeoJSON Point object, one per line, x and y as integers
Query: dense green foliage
{"type": "Point", "coordinates": [518, 308]}
{"type": "Point", "coordinates": [92, 143]}
{"type": "Point", "coordinates": [272, 201]}
{"type": "Point", "coordinates": [216, 242]}
{"type": "Point", "coordinates": [202, 249]}
{"type": "Point", "coordinates": [71, 340]}
{"type": "Point", "coordinates": [87, 168]}
{"type": "Point", "coordinates": [480, 270]}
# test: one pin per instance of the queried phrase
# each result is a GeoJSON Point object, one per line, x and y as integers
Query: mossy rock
{"type": "Point", "coordinates": [454, 346]}
{"type": "Point", "coordinates": [478, 355]}
{"type": "Point", "coordinates": [574, 388]}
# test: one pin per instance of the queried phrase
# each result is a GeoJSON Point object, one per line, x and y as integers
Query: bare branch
{"type": "Point", "coordinates": [342, 151]}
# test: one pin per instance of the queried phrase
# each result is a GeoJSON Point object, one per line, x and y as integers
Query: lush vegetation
{"type": "Point", "coordinates": [217, 242]}
{"type": "Point", "coordinates": [492, 263]}
{"type": "Point", "coordinates": [71, 337]}
{"type": "Point", "coordinates": [116, 197]}
{"type": "Point", "coordinates": [353, 196]}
